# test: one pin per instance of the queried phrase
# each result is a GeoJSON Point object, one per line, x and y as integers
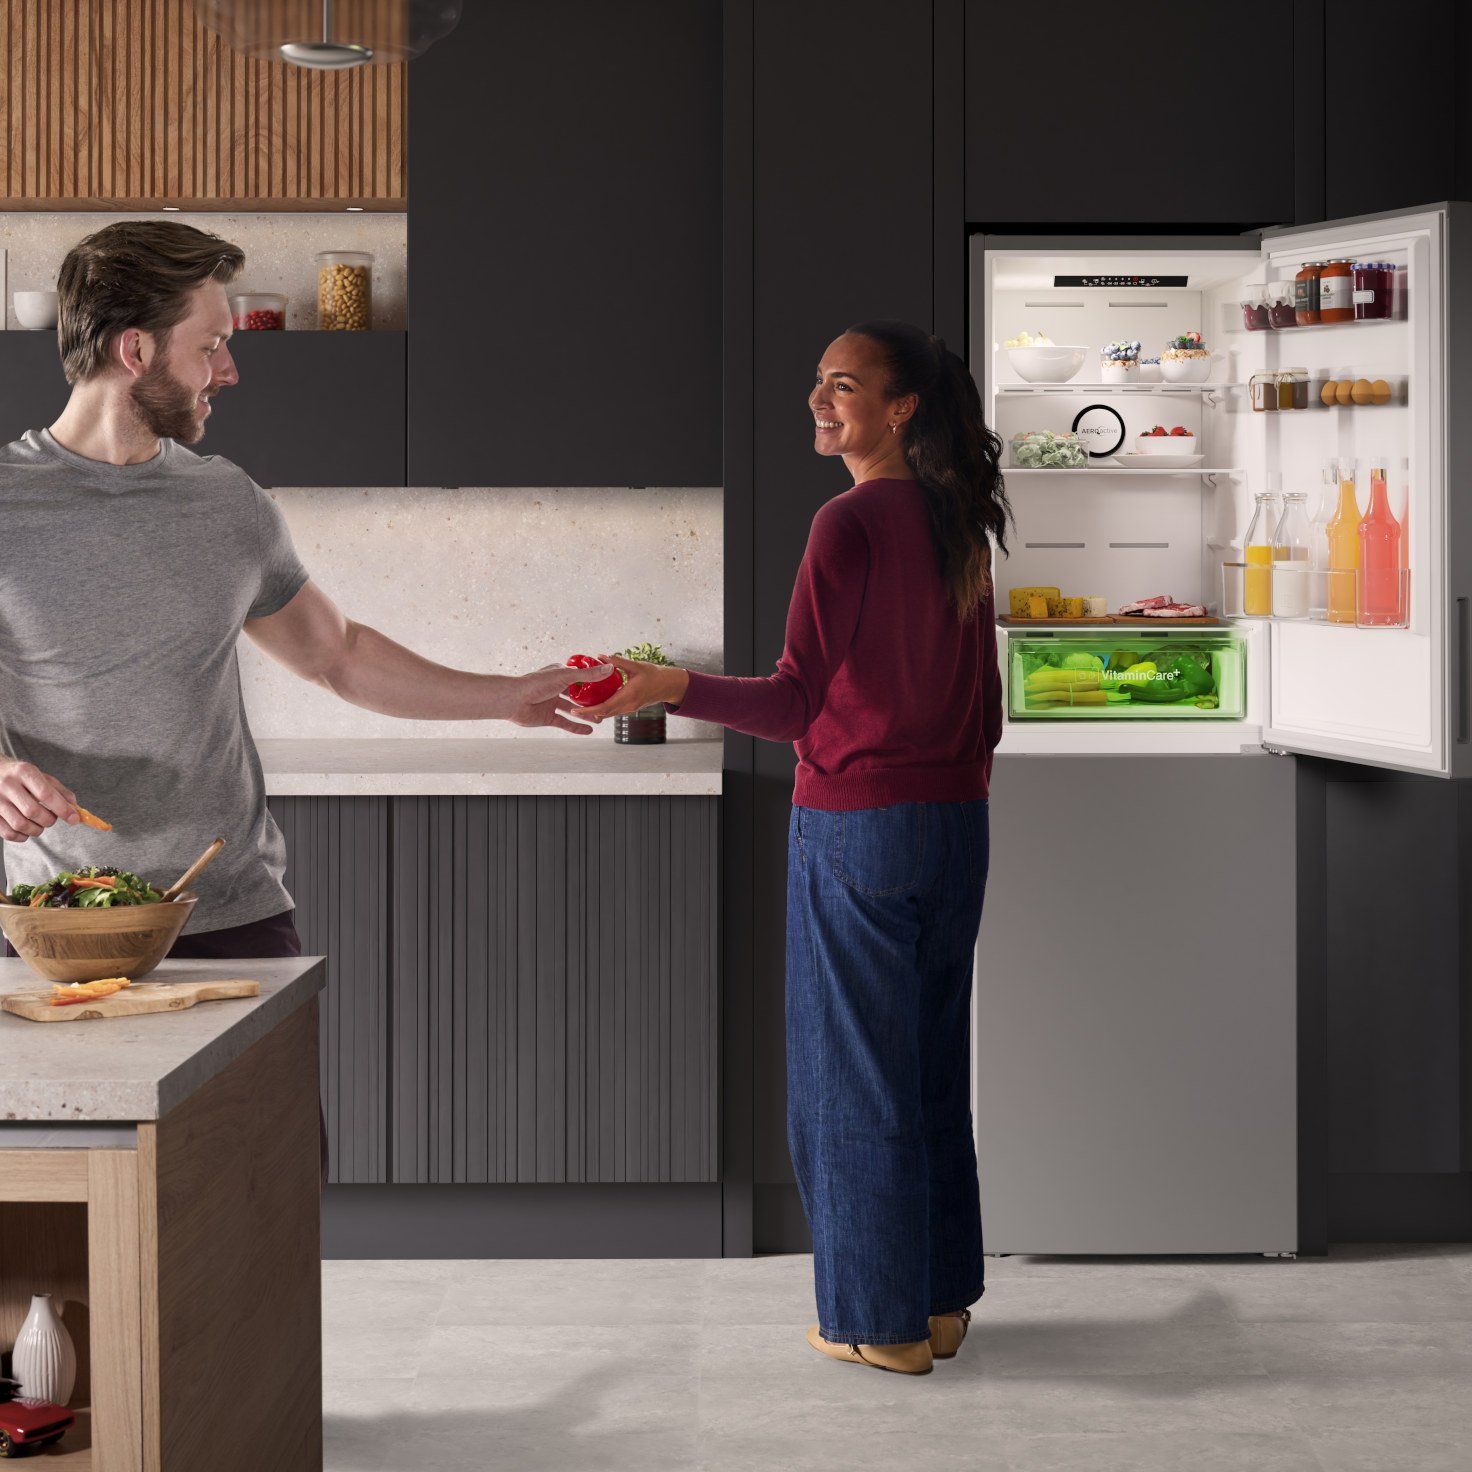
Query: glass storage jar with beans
{"type": "Point", "coordinates": [344, 290]}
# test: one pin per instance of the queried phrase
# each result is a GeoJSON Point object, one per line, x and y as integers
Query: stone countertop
{"type": "Point", "coordinates": [531, 766]}
{"type": "Point", "coordinates": [139, 1068]}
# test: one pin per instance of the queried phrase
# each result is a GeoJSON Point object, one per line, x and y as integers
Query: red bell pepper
{"type": "Point", "coordinates": [592, 692]}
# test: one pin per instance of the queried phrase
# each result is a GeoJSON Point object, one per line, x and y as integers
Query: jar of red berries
{"type": "Point", "coordinates": [260, 311]}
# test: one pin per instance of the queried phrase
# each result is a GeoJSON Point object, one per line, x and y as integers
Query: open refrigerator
{"type": "Point", "coordinates": [1390, 696]}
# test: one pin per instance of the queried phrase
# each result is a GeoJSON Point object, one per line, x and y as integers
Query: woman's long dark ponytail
{"type": "Point", "coordinates": [955, 457]}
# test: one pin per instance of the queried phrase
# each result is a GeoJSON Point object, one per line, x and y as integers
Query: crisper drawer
{"type": "Point", "coordinates": [1126, 674]}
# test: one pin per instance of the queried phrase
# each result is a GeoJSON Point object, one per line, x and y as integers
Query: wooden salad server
{"type": "Point", "coordinates": [194, 870]}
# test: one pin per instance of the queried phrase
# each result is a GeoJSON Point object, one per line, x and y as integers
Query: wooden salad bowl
{"type": "Point", "coordinates": [88, 945]}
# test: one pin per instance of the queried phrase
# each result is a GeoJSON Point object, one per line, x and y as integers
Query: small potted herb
{"type": "Point", "coordinates": [645, 726]}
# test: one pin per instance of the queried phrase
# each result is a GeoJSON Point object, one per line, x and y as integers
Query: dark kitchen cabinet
{"type": "Point", "coordinates": [565, 246]}
{"type": "Point", "coordinates": [518, 989]}
{"type": "Point", "coordinates": [553, 1010]}
{"type": "Point", "coordinates": [1390, 105]}
{"type": "Point", "coordinates": [1138, 112]}
{"type": "Point", "coordinates": [311, 408]}
{"type": "Point", "coordinates": [337, 872]}
{"type": "Point", "coordinates": [829, 221]}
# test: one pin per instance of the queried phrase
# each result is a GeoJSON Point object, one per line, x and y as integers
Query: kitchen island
{"type": "Point", "coordinates": [159, 1177]}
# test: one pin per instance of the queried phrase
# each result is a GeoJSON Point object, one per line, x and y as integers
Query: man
{"type": "Point", "coordinates": [129, 566]}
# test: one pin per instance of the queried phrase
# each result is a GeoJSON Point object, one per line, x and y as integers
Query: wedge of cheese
{"type": "Point", "coordinates": [1020, 600]}
{"type": "Point", "coordinates": [1095, 606]}
{"type": "Point", "coordinates": [1037, 607]}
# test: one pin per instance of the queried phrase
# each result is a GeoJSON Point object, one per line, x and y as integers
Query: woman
{"type": "Point", "coordinates": [889, 687]}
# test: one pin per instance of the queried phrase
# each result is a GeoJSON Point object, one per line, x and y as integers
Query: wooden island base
{"type": "Point", "coordinates": [188, 1271]}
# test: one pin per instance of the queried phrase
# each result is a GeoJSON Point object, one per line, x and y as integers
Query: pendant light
{"type": "Point", "coordinates": [334, 35]}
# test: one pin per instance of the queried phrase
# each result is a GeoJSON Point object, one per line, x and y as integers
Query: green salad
{"type": "Point", "coordinates": [87, 889]}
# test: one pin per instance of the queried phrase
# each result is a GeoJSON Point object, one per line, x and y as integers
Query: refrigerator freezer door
{"type": "Point", "coordinates": [1385, 697]}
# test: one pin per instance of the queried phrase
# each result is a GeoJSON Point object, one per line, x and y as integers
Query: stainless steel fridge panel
{"type": "Point", "coordinates": [1134, 1031]}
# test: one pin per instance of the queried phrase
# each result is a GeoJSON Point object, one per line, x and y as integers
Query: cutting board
{"type": "Point", "coordinates": [133, 1001]}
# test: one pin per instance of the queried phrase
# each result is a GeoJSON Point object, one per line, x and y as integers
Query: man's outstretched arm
{"type": "Point", "coordinates": [313, 638]}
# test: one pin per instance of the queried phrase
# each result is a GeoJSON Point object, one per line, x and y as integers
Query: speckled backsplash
{"type": "Point", "coordinates": [499, 581]}
{"type": "Point", "coordinates": [280, 253]}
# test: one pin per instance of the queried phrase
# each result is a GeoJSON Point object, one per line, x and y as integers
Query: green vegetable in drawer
{"type": "Point", "coordinates": [1081, 660]}
{"type": "Point", "coordinates": [1180, 676]}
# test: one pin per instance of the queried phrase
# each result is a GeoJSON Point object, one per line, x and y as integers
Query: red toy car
{"type": "Point", "coordinates": [30, 1423]}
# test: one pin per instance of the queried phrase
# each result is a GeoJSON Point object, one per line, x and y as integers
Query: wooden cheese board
{"type": "Point", "coordinates": [133, 1001]}
{"type": "Point", "coordinates": [1110, 620]}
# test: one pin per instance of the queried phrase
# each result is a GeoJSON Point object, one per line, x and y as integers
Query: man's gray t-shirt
{"type": "Point", "coordinates": [123, 590]}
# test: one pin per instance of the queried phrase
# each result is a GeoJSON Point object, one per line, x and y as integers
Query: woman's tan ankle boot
{"type": "Point", "coordinates": [901, 1359]}
{"type": "Point", "coordinates": [946, 1333]}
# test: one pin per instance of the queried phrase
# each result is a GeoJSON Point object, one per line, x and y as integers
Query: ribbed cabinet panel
{"type": "Point", "coordinates": [337, 871]}
{"type": "Point", "coordinates": [554, 994]}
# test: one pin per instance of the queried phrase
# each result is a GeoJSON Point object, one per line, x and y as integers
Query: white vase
{"type": "Point", "coordinates": [45, 1360]}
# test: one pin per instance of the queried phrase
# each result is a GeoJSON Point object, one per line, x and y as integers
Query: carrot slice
{"type": "Point", "coordinates": [93, 821]}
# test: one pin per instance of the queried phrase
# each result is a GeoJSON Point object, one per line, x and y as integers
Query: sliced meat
{"type": "Point", "coordinates": [1161, 600]}
{"type": "Point", "coordinates": [1175, 610]}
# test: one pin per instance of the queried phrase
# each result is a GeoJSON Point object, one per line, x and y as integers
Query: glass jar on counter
{"type": "Point", "coordinates": [1336, 292]}
{"type": "Point", "coordinates": [1280, 304]}
{"type": "Point", "coordinates": [1306, 294]}
{"type": "Point", "coordinates": [1262, 391]}
{"type": "Point", "coordinates": [1293, 388]}
{"type": "Point", "coordinates": [258, 311]}
{"type": "Point", "coordinates": [1255, 308]}
{"type": "Point", "coordinates": [344, 290]}
{"type": "Point", "coordinates": [1374, 289]}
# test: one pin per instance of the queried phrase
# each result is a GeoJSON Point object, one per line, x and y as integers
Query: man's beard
{"type": "Point", "coordinates": [165, 406]}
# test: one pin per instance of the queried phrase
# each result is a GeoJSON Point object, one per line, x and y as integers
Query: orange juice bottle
{"type": "Point", "coordinates": [1257, 579]}
{"type": "Point", "coordinates": [1344, 548]}
{"type": "Point", "coordinates": [1380, 538]}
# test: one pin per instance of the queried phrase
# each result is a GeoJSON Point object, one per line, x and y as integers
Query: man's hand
{"type": "Point", "coordinates": [30, 801]}
{"type": "Point", "coordinates": [542, 700]}
{"type": "Point", "coordinates": [644, 684]}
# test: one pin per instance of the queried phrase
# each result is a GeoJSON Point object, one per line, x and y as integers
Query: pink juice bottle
{"type": "Point", "coordinates": [1379, 603]}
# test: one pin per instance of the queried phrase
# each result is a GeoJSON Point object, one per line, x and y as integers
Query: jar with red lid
{"type": "Point", "coordinates": [1254, 308]}
{"type": "Point", "coordinates": [1280, 304]}
{"type": "Point", "coordinates": [1306, 294]}
{"type": "Point", "coordinates": [1336, 292]}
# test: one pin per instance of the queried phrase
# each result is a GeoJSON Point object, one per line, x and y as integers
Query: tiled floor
{"type": "Point", "coordinates": [1361, 1362]}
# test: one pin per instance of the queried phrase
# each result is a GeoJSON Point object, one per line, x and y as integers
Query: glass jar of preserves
{"type": "Point", "coordinates": [1336, 292]}
{"type": "Point", "coordinates": [1280, 305]}
{"type": "Point", "coordinates": [344, 290]}
{"type": "Point", "coordinates": [1373, 281]}
{"type": "Point", "coordinates": [1306, 294]}
{"type": "Point", "coordinates": [1293, 388]}
{"type": "Point", "coordinates": [1262, 391]}
{"type": "Point", "coordinates": [1254, 308]}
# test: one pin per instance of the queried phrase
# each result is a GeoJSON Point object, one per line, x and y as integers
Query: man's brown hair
{"type": "Point", "coordinates": [135, 273]}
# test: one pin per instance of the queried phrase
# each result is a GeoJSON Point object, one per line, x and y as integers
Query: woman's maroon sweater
{"type": "Point", "coordinates": [888, 696]}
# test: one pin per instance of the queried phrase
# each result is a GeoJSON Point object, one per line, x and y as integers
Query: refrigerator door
{"type": "Point", "coordinates": [1387, 697]}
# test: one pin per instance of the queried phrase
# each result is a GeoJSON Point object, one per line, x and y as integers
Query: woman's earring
{"type": "Point", "coordinates": [894, 429]}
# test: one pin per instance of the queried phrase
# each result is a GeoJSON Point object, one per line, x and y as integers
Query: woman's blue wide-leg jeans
{"type": "Point", "coordinates": [883, 907]}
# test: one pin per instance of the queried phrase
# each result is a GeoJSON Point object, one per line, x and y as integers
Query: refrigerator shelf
{"type": "Point", "coordinates": [1124, 472]}
{"type": "Point", "coordinates": [1124, 389]}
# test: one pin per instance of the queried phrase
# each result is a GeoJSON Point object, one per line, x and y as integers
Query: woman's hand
{"type": "Point", "coordinates": [644, 684]}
